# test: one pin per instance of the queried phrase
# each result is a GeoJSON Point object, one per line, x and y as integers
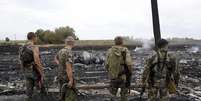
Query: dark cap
{"type": "Point", "coordinates": [161, 43]}
{"type": "Point", "coordinates": [118, 40]}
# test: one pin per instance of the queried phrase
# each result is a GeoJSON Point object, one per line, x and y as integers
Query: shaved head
{"type": "Point", "coordinates": [69, 40]}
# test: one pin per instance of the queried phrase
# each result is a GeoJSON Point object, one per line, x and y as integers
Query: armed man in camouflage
{"type": "Point", "coordinates": [115, 65]}
{"type": "Point", "coordinates": [161, 73]}
{"type": "Point", "coordinates": [31, 65]}
{"type": "Point", "coordinates": [64, 59]}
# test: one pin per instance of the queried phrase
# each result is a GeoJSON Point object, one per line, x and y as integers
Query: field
{"type": "Point", "coordinates": [17, 42]}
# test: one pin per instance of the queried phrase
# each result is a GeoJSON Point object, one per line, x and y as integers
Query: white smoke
{"type": "Point", "coordinates": [146, 45]}
{"type": "Point", "coordinates": [194, 49]}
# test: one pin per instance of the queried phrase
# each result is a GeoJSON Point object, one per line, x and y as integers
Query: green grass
{"type": "Point", "coordinates": [94, 42]}
{"type": "Point", "coordinates": [16, 42]}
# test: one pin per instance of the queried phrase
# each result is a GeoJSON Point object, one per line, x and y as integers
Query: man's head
{"type": "Point", "coordinates": [69, 41]}
{"type": "Point", "coordinates": [118, 40]}
{"type": "Point", "coordinates": [163, 44]}
{"type": "Point", "coordinates": [31, 36]}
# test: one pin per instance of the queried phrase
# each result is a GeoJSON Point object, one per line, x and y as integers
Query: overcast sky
{"type": "Point", "coordinates": [100, 19]}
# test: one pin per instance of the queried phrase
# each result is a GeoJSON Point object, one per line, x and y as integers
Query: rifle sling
{"type": "Point", "coordinates": [161, 68]}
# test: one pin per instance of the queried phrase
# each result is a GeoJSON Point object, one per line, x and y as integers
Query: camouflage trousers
{"type": "Point", "coordinates": [30, 84]}
{"type": "Point", "coordinates": [114, 89]}
{"type": "Point", "coordinates": [66, 94]}
{"type": "Point", "coordinates": [156, 94]}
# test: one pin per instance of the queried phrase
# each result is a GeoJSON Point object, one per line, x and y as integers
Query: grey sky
{"type": "Point", "coordinates": [100, 19]}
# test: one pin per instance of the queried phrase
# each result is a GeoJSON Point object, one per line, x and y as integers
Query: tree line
{"type": "Point", "coordinates": [55, 37]}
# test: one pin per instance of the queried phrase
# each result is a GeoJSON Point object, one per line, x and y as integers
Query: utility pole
{"type": "Point", "coordinates": [156, 22]}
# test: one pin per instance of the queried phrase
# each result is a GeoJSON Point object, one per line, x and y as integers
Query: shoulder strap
{"type": "Point", "coordinates": [164, 61]}
{"type": "Point", "coordinates": [123, 53]}
{"type": "Point", "coordinates": [151, 74]}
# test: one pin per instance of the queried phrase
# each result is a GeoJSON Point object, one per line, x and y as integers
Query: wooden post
{"type": "Point", "coordinates": [155, 18]}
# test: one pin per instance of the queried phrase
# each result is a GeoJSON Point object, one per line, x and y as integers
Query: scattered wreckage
{"type": "Point", "coordinates": [91, 76]}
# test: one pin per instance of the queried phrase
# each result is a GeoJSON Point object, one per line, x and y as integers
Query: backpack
{"type": "Point", "coordinates": [115, 63]}
{"type": "Point", "coordinates": [26, 54]}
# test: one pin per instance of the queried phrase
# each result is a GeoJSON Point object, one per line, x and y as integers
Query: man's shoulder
{"type": "Point", "coordinates": [125, 49]}
{"type": "Point", "coordinates": [152, 57]}
{"type": "Point", "coordinates": [122, 48]}
{"type": "Point", "coordinates": [172, 57]}
{"type": "Point", "coordinates": [153, 54]}
{"type": "Point", "coordinates": [64, 51]}
{"type": "Point", "coordinates": [109, 50]}
{"type": "Point", "coordinates": [32, 47]}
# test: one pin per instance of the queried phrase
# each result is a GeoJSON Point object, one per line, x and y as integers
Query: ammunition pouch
{"type": "Point", "coordinates": [117, 83]}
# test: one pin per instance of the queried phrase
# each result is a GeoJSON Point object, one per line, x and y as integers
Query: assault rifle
{"type": "Point", "coordinates": [126, 71]}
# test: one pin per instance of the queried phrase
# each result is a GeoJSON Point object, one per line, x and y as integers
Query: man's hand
{"type": "Point", "coordinates": [70, 84]}
{"type": "Point", "coordinates": [37, 61]}
{"type": "Point", "coordinates": [69, 72]}
{"type": "Point", "coordinates": [56, 60]}
{"type": "Point", "coordinates": [42, 79]}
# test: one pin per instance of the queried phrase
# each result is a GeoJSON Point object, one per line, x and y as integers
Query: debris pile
{"type": "Point", "coordinates": [89, 70]}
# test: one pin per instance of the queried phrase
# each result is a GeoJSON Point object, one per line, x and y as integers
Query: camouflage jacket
{"type": "Point", "coordinates": [114, 61]}
{"type": "Point", "coordinates": [160, 69]}
{"type": "Point", "coordinates": [64, 56]}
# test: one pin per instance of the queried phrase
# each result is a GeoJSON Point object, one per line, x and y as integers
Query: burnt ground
{"type": "Point", "coordinates": [89, 69]}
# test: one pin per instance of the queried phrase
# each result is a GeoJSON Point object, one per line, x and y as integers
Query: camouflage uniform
{"type": "Point", "coordinates": [113, 66]}
{"type": "Point", "coordinates": [31, 77]}
{"type": "Point", "coordinates": [158, 74]}
{"type": "Point", "coordinates": [64, 56]}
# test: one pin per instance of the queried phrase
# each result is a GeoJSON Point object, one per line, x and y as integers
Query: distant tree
{"type": "Point", "coordinates": [49, 37]}
{"type": "Point", "coordinates": [40, 34]}
{"type": "Point", "coordinates": [7, 39]}
{"type": "Point", "coordinates": [55, 37]}
{"type": "Point", "coordinates": [63, 32]}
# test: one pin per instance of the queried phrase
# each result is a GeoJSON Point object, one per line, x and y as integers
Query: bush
{"type": "Point", "coordinates": [55, 37]}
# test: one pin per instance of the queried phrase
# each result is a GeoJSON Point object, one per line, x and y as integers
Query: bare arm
{"type": "Point", "coordinates": [37, 60]}
{"type": "Point", "coordinates": [69, 71]}
{"type": "Point", "coordinates": [145, 75]}
{"type": "Point", "coordinates": [56, 59]}
{"type": "Point", "coordinates": [146, 71]}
